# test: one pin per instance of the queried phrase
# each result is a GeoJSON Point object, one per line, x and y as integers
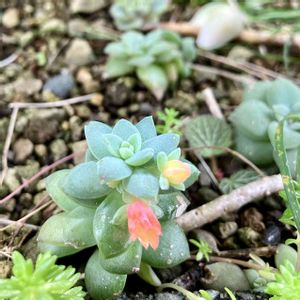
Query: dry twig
{"type": "Point", "coordinates": [231, 202]}
{"type": "Point", "coordinates": [212, 103]}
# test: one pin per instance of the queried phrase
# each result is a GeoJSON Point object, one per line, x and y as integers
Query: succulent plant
{"type": "Point", "coordinates": [46, 281]}
{"type": "Point", "coordinates": [121, 199]}
{"type": "Point", "coordinates": [158, 58]}
{"type": "Point", "coordinates": [257, 117]}
{"type": "Point", "coordinates": [129, 15]}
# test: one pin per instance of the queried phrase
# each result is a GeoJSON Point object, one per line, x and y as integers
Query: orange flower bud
{"type": "Point", "coordinates": [143, 224]}
{"type": "Point", "coordinates": [176, 171]}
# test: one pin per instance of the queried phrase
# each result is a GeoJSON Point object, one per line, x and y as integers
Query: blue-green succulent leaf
{"type": "Point", "coordinates": [175, 154]}
{"type": "Point", "coordinates": [89, 156]}
{"type": "Point", "coordinates": [173, 248]}
{"type": "Point", "coordinates": [164, 183]}
{"type": "Point", "coordinates": [51, 237]}
{"type": "Point", "coordinates": [83, 182]}
{"type": "Point", "coordinates": [93, 133]}
{"type": "Point", "coordinates": [136, 141]}
{"type": "Point", "coordinates": [146, 128]}
{"type": "Point", "coordinates": [113, 143]}
{"type": "Point", "coordinates": [112, 169]}
{"type": "Point", "coordinates": [141, 61]}
{"type": "Point", "coordinates": [116, 67]}
{"type": "Point", "coordinates": [162, 159]}
{"type": "Point", "coordinates": [111, 239]}
{"type": "Point", "coordinates": [126, 153]}
{"type": "Point", "coordinates": [154, 78]}
{"type": "Point", "coordinates": [78, 231]}
{"type": "Point", "coordinates": [142, 184]}
{"type": "Point", "coordinates": [124, 129]}
{"type": "Point", "coordinates": [194, 175]}
{"type": "Point", "coordinates": [165, 142]}
{"type": "Point", "coordinates": [127, 262]}
{"type": "Point", "coordinates": [54, 188]}
{"type": "Point", "coordinates": [102, 285]}
{"type": "Point", "coordinates": [140, 158]}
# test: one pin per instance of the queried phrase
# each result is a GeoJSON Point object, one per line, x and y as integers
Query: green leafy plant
{"type": "Point", "coordinates": [122, 199]}
{"type": "Point", "coordinates": [257, 117]}
{"type": "Point", "coordinates": [158, 59]}
{"type": "Point", "coordinates": [237, 180]}
{"type": "Point", "coordinates": [208, 135]}
{"type": "Point", "coordinates": [44, 281]}
{"type": "Point", "coordinates": [203, 250]}
{"type": "Point", "coordinates": [170, 119]}
{"type": "Point", "coordinates": [135, 14]}
{"type": "Point", "coordinates": [286, 285]}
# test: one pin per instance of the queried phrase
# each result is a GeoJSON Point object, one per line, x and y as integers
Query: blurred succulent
{"type": "Point", "coordinates": [122, 199]}
{"type": "Point", "coordinates": [257, 117]}
{"type": "Point", "coordinates": [136, 14]}
{"type": "Point", "coordinates": [158, 58]}
{"type": "Point", "coordinates": [218, 24]}
{"type": "Point", "coordinates": [286, 285]}
{"type": "Point", "coordinates": [46, 281]}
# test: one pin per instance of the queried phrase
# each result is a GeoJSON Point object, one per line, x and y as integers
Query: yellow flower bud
{"type": "Point", "coordinates": [176, 171]}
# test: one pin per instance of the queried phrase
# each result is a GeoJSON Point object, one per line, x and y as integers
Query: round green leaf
{"type": "Point", "coordinates": [102, 285]}
{"type": "Point", "coordinates": [83, 182]}
{"type": "Point", "coordinates": [207, 130]}
{"type": "Point", "coordinates": [124, 129]}
{"type": "Point", "coordinates": [140, 158]}
{"type": "Point", "coordinates": [173, 247]}
{"type": "Point", "coordinates": [146, 128]}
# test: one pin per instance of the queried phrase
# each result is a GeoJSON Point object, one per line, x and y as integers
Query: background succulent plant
{"type": "Point", "coordinates": [124, 196]}
{"type": "Point", "coordinates": [159, 58]}
{"type": "Point", "coordinates": [256, 119]}
{"type": "Point", "coordinates": [136, 14]}
{"type": "Point", "coordinates": [46, 281]}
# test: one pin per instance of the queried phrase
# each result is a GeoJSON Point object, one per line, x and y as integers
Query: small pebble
{"type": "Point", "coordinates": [11, 18]}
{"type": "Point", "coordinates": [23, 148]}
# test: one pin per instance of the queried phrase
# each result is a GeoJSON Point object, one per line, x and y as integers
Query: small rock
{"type": "Point", "coordinates": [76, 127]}
{"type": "Point", "coordinates": [28, 170]}
{"type": "Point", "coordinates": [60, 85]}
{"type": "Point", "coordinates": [80, 148]}
{"type": "Point", "coordinates": [5, 268]}
{"type": "Point", "coordinates": [3, 191]}
{"type": "Point", "coordinates": [54, 26]}
{"type": "Point", "coordinates": [226, 275]}
{"type": "Point", "coordinates": [23, 148]}
{"type": "Point", "coordinates": [77, 27]}
{"type": "Point", "coordinates": [83, 111]}
{"type": "Point", "coordinates": [226, 229]}
{"type": "Point", "coordinates": [11, 180]}
{"type": "Point", "coordinates": [26, 38]}
{"type": "Point", "coordinates": [27, 87]}
{"type": "Point", "coordinates": [21, 123]}
{"type": "Point", "coordinates": [11, 18]}
{"type": "Point", "coordinates": [43, 124]}
{"type": "Point", "coordinates": [79, 53]}
{"type": "Point", "coordinates": [87, 6]}
{"type": "Point", "coordinates": [97, 100]}
{"type": "Point", "coordinates": [40, 150]}
{"type": "Point", "coordinates": [58, 148]}
{"type": "Point", "coordinates": [83, 75]}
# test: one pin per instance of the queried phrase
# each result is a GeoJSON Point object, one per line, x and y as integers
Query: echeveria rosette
{"type": "Point", "coordinates": [115, 200]}
{"type": "Point", "coordinates": [129, 15]}
{"type": "Point", "coordinates": [158, 58]}
{"type": "Point", "coordinates": [257, 117]}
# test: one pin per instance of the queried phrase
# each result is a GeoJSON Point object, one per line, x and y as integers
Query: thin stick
{"type": "Point", "coordinates": [233, 152]}
{"type": "Point", "coordinates": [43, 171]}
{"type": "Point", "coordinates": [8, 140]}
{"type": "Point", "coordinates": [10, 222]}
{"type": "Point", "coordinates": [212, 103]}
{"type": "Point", "coordinates": [231, 202]}
{"type": "Point", "coordinates": [8, 60]}
{"type": "Point", "coordinates": [60, 103]}
{"type": "Point", "coordinates": [246, 80]}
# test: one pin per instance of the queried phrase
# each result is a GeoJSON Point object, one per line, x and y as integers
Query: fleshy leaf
{"type": "Point", "coordinates": [89, 156]}
{"type": "Point", "coordinates": [148, 275]}
{"type": "Point", "coordinates": [54, 188]}
{"type": "Point", "coordinates": [207, 130]}
{"type": "Point", "coordinates": [112, 169]}
{"type": "Point", "coordinates": [146, 128]}
{"type": "Point", "coordinates": [165, 142]}
{"type": "Point", "coordinates": [124, 129]}
{"type": "Point", "coordinates": [102, 285]}
{"type": "Point", "coordinates": [140, 158]}
{"type": "Point", "coordinates": [93, 133]}
{"type": "Point", "coordinates": [113, 143]}
{"type": "Point", "coordinates": [173, 248]}
{"type": "Point", "coordinates": [127, 262]}
{"type": "Point", "coordinates": [142, 184]}
{"type": "Point", "coordinates": [116, 67]}
{"type": "Point", "coordinates": [154, 78]}
{"type": "Point", "coordinates": [83, 182]}
{"type": "Point", "coordinates": [51, 237]}
{"type": "Point", "coordinates": [136, 141]}
{"type": "Point", "coordinates": [111, 239]}
{"type": "Point", "coordinates": [79, 228]}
